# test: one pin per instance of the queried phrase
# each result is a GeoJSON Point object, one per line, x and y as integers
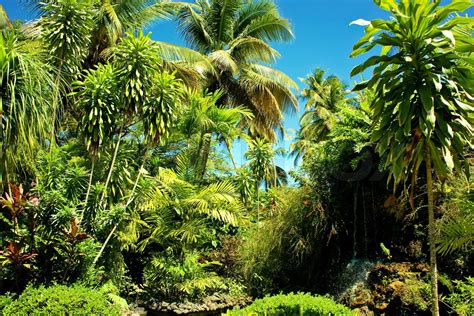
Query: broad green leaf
{"type": "Point", "coordinates": [426, 98]}
{"type": "Point", "coordinates": [448, 34]}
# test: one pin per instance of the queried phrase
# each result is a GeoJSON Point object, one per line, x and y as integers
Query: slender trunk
{"type": "Point", "coordinates": [104, 245]}
{"type": "Point", "coordinates": [366, 235]}
{"type": "Point", "coordinates": [231, 156]}
{"type": "Point", "coordinates": [354, 233]}
{"type": "Point", "coordinates": [275, 174]}
{"type": "Point", "coordinates": [205, 156]}
{"type": "Point", "coordinates": [432, 234]}
{"type": "Point", "coordinates": [258, 205]}
{"type": "Point", "coordinates": [89, 185]}
{"type": "Point", "coordinates": [198, 154]}
{"type": "Point", "coordinates": [111, 168]}
{"type": "Point", "coordinates": [130, 199]}
{"type": "Point", "coordinates": [52, 138]}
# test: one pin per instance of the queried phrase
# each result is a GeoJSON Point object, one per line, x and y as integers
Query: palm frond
{"type": "Point", "coordinates": [456, 234]}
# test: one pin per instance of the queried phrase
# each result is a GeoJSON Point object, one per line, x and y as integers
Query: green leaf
{"type": "Point", "coordinates": [403, 112]}
{"type": "Point", "coordinates": [449, 35]}
{"type": "Point", "coordinates": [368, 63]}
{"type": "Point", "coordinates": [426, 98]}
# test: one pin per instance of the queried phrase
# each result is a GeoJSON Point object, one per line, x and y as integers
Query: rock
{"type": "Point", "coordinates": [363, 311]}
{"type": "Point", "coordinates": [396, 286]}
{"type": "Point", "coordinates": [382, 306]}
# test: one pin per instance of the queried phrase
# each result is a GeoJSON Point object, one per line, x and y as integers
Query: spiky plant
{"type": "Point", "coordinates": [423, 101]}
{"type": "Point", "coordinates": [25, 100]}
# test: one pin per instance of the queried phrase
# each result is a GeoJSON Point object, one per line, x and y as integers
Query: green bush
{"type": "Point", "coordinates": [61, 300]}
{"type": "Point", "coordinates": [462, 299]}
{"type": "Point", "coordinates": [5, 300]}
{"type": "Point", "coordinates": [293, 304]}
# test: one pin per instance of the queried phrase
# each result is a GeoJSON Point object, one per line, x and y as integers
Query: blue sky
{"type": "Point", "coordinates": [323, 38]}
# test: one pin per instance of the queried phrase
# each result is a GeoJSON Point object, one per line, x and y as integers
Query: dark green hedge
{"type": "Point", "coordinates": [293, 304]}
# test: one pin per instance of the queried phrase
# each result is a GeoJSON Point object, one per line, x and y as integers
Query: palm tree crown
{"type": "Point", "coordinates": [235, 35]}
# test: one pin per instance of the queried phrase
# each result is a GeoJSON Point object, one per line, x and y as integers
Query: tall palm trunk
{"type": "Point", "coordinates": [258, 204]}
{"type": "Point", "coordinates": [198, 154]}
{"type": "Point", "coordinates": [432, 234]}
{"type": "Point", "coordinates": [205, 156]}
{"type": "Point", "coordinates": [109, 175]}
{"type": "Point", "coordinates": [232, 159]}
{"type": "Point", "coordinates": [275, 173]}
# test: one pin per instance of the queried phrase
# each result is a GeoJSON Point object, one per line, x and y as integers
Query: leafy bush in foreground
{"type": "Point", "coordinates": [61, 300]}
{"type": "Point", "coordinates": [293, 304]}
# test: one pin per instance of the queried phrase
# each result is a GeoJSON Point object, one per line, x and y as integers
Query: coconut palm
{"type": "Point", "coordinates": [115, 17]}
{"type": "Point", "coordinates": [4, 20]}
{"type": "Point", "coordinates": [322, 96]}
{"type": "Point", "coordinates": [235, 35]}
{"type": "Point", "coordinates": [423, 102]}
{"type": "Point", "coordinates": [25, 100]}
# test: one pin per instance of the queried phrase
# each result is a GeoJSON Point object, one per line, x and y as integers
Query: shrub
{"type": "Point", "coordinates": [293, 304]}
{"type": "Point", "coordinates": [5, 300]}
{"type": "Point", "coordinates": [462, 300]}
{"type": "Point", "coordinates": [171, 278]}
{"type": "Point", "coordinates": [416, 293]}
{"type": "Point", "coordinates": [61, 300]}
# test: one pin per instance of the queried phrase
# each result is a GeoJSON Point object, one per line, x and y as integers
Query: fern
{"type": "Point", "coordinates": [456, 234]}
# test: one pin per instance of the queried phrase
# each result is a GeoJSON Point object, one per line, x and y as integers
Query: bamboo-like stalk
{"type": "Point", "coordinates": [112, 164]}
{"type": "Point", "coordinates": [101, 251]}
{"type": "Point", "coordinates": [89, 185]}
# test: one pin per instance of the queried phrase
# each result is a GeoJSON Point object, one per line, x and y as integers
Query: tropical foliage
{"type": "Point", "coordinates": [123, 186]}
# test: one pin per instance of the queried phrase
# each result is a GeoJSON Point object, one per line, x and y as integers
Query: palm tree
{"type": "Point", "coordinates": [115, 17]}
{"type": "Point", "coordinates": [4, 20]}
{"type": "Point", "coordinates": [25, 100]}
{"type": "Point", "coordinates": [235, 35]}
{"type": "Point", "coordinates": [176, 211]}
{"type": "Point", "coordinates": [205, 120]}
{"type": "Point", "coordinates": [260, 156]}
{"type": "Point", "coordinates": [423, 101]}
{"type": "Point", "coordinates": [323, 97]}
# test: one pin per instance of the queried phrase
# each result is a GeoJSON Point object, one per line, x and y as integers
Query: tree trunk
{"type": "Point", "coordinates": [111, 168]}
{"type": "Point", "coordinates": [198, 155]}
{"type": "Point", "coordinates": [104, 245]}
{"type": "Point", "coordinates": [258, 205]}
{"type": "Point", "coordinates": [432, 234]}
{"type": "Point", "coordinates": [231, 156]}
{"type": "Point", "coordinates": [89, 185]}
{"type": "Point", "coordinates": [205, 156]}
{"type": "Point", "coordinates": [275, 173]}
{"type": "Point", "coordinates": [116, 225]}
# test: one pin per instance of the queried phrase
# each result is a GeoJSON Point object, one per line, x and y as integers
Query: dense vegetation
{"type": "Point", "coordinates": [120, 187]}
